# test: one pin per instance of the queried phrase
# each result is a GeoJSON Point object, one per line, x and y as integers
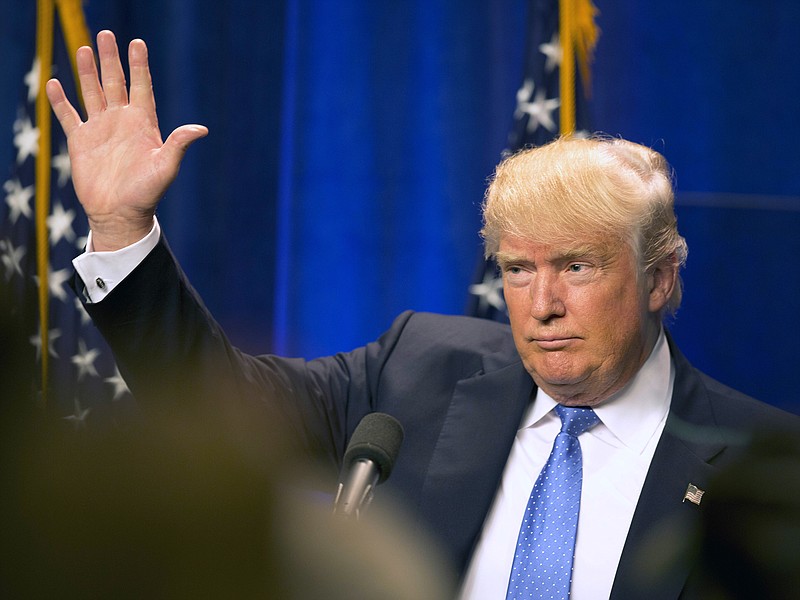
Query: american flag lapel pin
{"type": "Point", "coordinates": [693, 494]}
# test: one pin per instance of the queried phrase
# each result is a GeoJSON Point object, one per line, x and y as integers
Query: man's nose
{"type": "Point", "coordinates": [546, 297]}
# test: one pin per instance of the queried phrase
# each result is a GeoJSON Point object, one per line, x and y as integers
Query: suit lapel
{"type": "Point", "coordinates": [472, 449]}
{"type": "Point", "coordinates": [654, 562]}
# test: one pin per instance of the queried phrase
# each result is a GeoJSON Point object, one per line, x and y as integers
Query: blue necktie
{"type": "Point", "coordinates": [546, 544]}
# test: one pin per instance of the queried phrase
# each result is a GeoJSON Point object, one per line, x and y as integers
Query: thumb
{"type": "Point", "coordinates": [179, 140]}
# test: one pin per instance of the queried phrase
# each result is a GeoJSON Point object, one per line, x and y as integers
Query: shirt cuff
{"type": "Point", "coordinates": [101, 272]}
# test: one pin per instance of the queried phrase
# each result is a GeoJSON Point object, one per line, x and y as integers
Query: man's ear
{"type": "Point", "coordinates": [661, 281]}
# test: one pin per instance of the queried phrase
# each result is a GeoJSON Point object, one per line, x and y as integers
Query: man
{"type": "Point", "coordinates": [585, 234]}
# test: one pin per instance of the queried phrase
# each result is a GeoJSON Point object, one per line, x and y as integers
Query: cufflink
{"type": "Point", "coordinates": [100, 283]}
{"type": "Point", "coordinates": [693, 494]}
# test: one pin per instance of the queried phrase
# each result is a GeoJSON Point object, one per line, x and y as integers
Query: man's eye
{"type": "Point", "coordinates": [576, 268]}
{"type": "Point", "coordinates": [516, 276]}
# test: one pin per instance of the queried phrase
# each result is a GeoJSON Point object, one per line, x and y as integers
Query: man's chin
{"type": "Point", "coordinates": [561, 386]}
{"type": "Point", "coordinates": [567, 388]}
{"type": "Point", "coordinates": [579, 390]}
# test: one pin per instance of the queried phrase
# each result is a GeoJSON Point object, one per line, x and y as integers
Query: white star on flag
{"type": "Point", "coordinates": [85, 318]}
{"type": "Point", "coordinates": [32, 79]}
{"type": "Point", "coordinates": [552, 50]}
{"type": "Point", "coordinates": [540, 112]}
{"type": "Point", "coordinates": [60, 224]}
{"type": "Point", "coordinates": [120, 387]}
{"type": "Point", "coordinates": [55, 282]}
{"type": "Point", "coordinates": [18, 199]}
{"type": "Point", "coordinates": [524, 94]}
{"type": "Point", "coordinates": [11, 258]}
{"type": "Point", "coordinates": [490, 291]}
{"type": "Point", "coordinates": [84, 360]}
{"type": "Point", "coordinates": [26, 139]}
{"type": "Point", "coordinates": [78, 417]}
{"type": "Point", "coordinates": [52, 336]}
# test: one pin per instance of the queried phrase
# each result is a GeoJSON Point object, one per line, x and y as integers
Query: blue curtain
{"type": "Point", "coordinates": [391, 139]}
{"type": "Point", "coordinates": [351, 141]}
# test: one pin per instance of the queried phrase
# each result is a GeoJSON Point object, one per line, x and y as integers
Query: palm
{"type": "Point", "coordinates": [119, 150]}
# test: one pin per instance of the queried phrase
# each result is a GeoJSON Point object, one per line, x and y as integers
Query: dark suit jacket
{"type": "Point", "coordinates": [455, 383]}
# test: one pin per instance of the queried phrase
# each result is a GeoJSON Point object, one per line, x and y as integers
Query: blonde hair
{"type": "Point", "coordinates": [600, 189]}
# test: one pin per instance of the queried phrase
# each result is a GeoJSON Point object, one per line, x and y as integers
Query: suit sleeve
{"type": "Point", "coordinates": [178, 362]}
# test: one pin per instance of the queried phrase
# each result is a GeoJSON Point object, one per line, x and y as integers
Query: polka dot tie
{"type": "Point", "coordinates": [543, 560]}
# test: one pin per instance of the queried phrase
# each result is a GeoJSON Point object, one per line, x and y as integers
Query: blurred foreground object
{"type": "Point", "coordinates": [750, 536]}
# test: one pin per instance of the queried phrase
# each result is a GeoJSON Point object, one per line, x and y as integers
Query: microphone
{"type": "Point", "coordinates": [368, 461]}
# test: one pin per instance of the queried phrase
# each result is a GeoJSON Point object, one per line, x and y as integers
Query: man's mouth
{"type": "Point", "coordinates": [553, 342]}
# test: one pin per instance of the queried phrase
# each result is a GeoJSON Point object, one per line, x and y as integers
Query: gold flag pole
{"type": "Point", "coordinates": [44, 56]}
{"type": "Point", "coordinates": [577, 31]}
{"type": "Point", "coordinates": [76, 34]}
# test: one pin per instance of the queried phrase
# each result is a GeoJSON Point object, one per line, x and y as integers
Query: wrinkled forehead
{"type": "Point", "coordinates": [514, 248]}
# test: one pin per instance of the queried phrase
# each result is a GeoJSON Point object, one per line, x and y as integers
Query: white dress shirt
{"type": "Point", "coordinates": [616, 456]}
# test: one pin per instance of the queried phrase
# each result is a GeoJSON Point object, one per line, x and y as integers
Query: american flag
{"type": "Point", "coordinates": [549, 102]}
{"type": "Point", "coordinates": [693, 494]}
{"type": "Point", "coordinates": [80, 377]}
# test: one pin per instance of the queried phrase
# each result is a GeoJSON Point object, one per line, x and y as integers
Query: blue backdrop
{"type": "Point", "coordinates": [351, 141]}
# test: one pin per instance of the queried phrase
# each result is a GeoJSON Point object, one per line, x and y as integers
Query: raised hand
{"type": "Point", "coordinates": [120, 165]}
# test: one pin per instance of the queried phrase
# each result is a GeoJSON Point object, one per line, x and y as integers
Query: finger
{"type": "Point", "coordinates": [114, 86]}
{"type": "Point", "coordinates": [93, 98]}
{"type": "Point", "coordinates": [64, 111]}
{"type": "Point", "coordinates": [179, 141]}
{"type": "Point", "coordinates": [141, 81]}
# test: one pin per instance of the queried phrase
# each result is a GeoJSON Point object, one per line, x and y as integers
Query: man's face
{"type": "Point", "coordinates": [582, 322]}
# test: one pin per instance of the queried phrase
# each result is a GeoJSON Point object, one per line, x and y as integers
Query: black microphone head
{"type": "Point", "coordinates": [377, 438]}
